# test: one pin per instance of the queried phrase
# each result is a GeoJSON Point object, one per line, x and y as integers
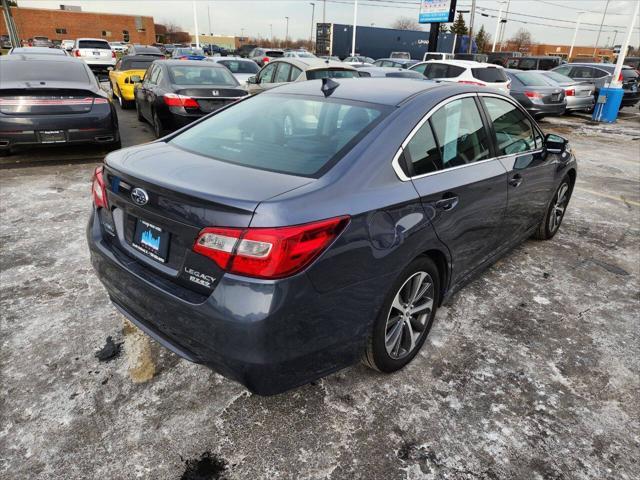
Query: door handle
{"type": "Point", "coordinates": [516, 180]}
{"type": "Point", "coordinates": [448, 203]}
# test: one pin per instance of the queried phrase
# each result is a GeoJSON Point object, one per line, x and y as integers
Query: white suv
{"type": "Point", "coordinates": [465, 71]}
{"type": "Point", "coordinates": [95, 51]}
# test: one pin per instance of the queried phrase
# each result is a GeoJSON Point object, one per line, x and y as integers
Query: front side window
{"type": "Point", "coordinates": [295, 73]}
{"type": "Point", "coordinates": [514, 133]}
{"type": "Point", "coordinates": [420, 68]}
{"type": "Point", "coordinates": [460, 133]}
{"type": "Point", "coordinates": [582, 72]}
{"type": "Point", "coordinates": [266, 76]}
{"type": "Point", "coordinates": [422, 151]}
{"type": "Point", "coordinates": [289, 134]}
{"type": "Point", "coordinates": [563, 70]}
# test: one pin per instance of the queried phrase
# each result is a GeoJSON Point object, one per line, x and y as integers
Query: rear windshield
{"type": "Point", "coordinates": [433, 56]}
{"type": "Point", "coordinates": [558, 77]}
{"type": "Point", "coordinates": [201, 75]}
{"type": "Point", "coordinates": [95, 44]}
{"type": "Point", "coordinates": [489, 75]}
{"type": "Point", "coordinates": [241, 66]}
{"type": "Point", "coordinates": [288, 134]}
{"type": "Point", "coordinates": [531, 79]}
{"type": "Point", "coordinates": [65, 71]}
{"type": "Point", "coordinates": [136, 64]}
{"type": "Point", "coordinates": [274, 53]}
{"type": "Point", "coordinates": [189, 51]}
{"type": "Point", "coordinates": [148, 51]}
{"type": "Point", "coordinates": [331, 73]}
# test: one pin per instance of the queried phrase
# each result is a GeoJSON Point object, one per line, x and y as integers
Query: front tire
{"type": "Point", "coordinates": [555, 212]}
{"type": "Point", "coordinates": [138, 112]}
{"type": "Point", "coordinates": [405, 318]}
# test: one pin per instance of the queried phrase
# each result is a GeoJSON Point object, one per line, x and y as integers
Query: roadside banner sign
{"type": "Point", "coordinates": [437, 11]}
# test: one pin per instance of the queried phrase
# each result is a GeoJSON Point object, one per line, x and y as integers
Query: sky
{"type": "Point", "coordinates": [551, 21]}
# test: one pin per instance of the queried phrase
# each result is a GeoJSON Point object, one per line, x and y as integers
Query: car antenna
{"type": "Point", "coordinates": [328, 86]}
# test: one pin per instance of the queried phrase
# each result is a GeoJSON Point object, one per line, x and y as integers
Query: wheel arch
{"type": "Point", "coordinates": [572, 174]}
{"type": "Point", "coordinates": [442, 264]}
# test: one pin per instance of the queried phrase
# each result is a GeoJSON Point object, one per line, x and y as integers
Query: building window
{"type": "Point", "coordinates": [106, 33]}
{"type": "Point", "coordinates": [125, 35]}
{"type": "Point", "coordinates": [61, 30]}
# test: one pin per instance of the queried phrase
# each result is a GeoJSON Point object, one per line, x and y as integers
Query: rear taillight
{"type": "Point", "coordinates": [268, 252]}
{"type": "Point", "coordinates": [620, 78]}
{"type": "Point", "coordinates": [175, 100]}
{"type": "Point", "coordinates": [98, 190]}
{"type": "Point", "coordinates": [509, 85]}
{"type": "Point", "coordinates": [113, 54]}
{"type": "Point", "coordinates": [470, 82]}
{"type": "Point", "coordinates": [570, 92]}
{"type": "Point", "coordinates": [533, 94]}
{"type": "Point", "coordinates": [76, 53]}
{"type": "Point", "coordinates": [265, 59]}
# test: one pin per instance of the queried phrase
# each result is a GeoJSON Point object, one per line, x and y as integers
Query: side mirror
{"type": "Point", "coordinates": [135, 79]}
{"type": "Point", "coordinates": [253, 80]}
{"type": "Point", "coordinates": [555, 143]}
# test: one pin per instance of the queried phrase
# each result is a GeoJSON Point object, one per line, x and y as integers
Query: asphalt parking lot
{"type": "Point", "coordinates": [531, 372]}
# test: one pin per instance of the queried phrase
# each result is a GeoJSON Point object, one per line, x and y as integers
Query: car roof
{"type": "Point", "coordinates": [37, 51]}
{"type": "Point", "coordinates": [398, 60]}
{"type": "Point", "coordinates": [462, 63]}
{"type": "Point", "coordinates": [40, 58]}
{"type": "Point", "coordinates": [92, 39]}
{"type": "Point", "coordinates": [594, 64]}
{"type": "Point", "coordinates": [381, 90]}
{"type": "Point", "coordinates": [313, 63]}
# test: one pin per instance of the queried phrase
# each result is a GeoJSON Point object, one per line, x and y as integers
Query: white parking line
{"type": "Point", "coordinates": [610, 197]}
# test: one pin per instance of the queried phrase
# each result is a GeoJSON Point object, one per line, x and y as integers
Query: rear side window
{"type": "Point", "coordinates": [43, 71]}
{"type": "Point", "coordinates": [547, 63]}
{"type": "Point", "coordinates": [514, 133]}
{"type": "Point", "coordinates": [331, 73]}
{"type": "Point", "coordinates": [422, 151]}
{"type": "Point", "coordinates": [629, 73]}
{"type": "Point", "coordinates": [583, 72]}
{"type": "Point", "coordinates": [489, 75]}
{"type": "Point", "coordinates": [295, 73]}
{"type": "Point", "coordinates": [274, 54]}
{"type": "Point", "coordinates": [282, 75]}
{"type": "Point", "coordinates": [460, 133]}
{"type": "Point", "coordinates": [288, 134]}
{"type": "Point", "coordinates": [95, 44]}
{"type": "Point", "coordinates": [437, 70]}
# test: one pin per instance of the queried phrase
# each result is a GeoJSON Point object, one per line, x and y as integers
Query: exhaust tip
{"type": "Point", "coordinates": [4, 143]}
{"type": "Point", "coordinates": [105, 138]}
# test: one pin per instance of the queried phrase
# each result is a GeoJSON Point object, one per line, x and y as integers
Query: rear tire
{"type": "Point", "coordinates": [124, 104]}
{"type": "Point", "coordinates": [406, 317]}
{"type": "Point", "coordinates": [117, 145]}
{"type": "Point", "coordinates": [138, 113]}
{"type": "Point", "coordinates": [555, 212]}
{"type": "Point", "coordinates": [158, 129]}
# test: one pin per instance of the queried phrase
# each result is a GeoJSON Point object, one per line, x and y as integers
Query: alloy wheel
{"type": "Point", "coordinates": [558, 208]}
{"type": "Point", "coordinates": [408, 315]}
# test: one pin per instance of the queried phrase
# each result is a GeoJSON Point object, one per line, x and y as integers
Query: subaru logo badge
{"type": "Point", "coordinates": [139, 196]}
{"type": "Point", "coordinates": [215, 93]}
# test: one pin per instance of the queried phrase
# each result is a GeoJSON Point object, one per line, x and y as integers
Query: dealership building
{"type": "Point", "coordinates": [70, 23]}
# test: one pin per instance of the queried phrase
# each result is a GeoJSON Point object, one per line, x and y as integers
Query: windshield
{"type": "Point", "coordinates": [241, 66]}
{"type": "Point", "coordinates": [201, 75]}
{"type": "Point", "coordinates": [287, 134]}
{"type": "Point", "coordinates": [331, 73]}
{"type": "Point", "coordinates": [189, 51]}
{"type": "Point", "coordinates": [531, 79]}
{"type": "Point", "coordinates": [135, 64]}
{"type": "Point", "coordinates": [44, 71]}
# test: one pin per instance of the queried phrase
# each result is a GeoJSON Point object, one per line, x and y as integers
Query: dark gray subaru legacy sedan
{"type": "Point", "coordinates": [294, 233]}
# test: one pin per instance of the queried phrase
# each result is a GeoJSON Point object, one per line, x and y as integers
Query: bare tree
{"type": "Point", "coordinates": [406, 23]}
{"type": "Point", "coordinates": [521, 40]}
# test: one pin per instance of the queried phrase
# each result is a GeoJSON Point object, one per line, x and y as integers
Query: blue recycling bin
{"type": "Point", "coordinates": [607, 105]}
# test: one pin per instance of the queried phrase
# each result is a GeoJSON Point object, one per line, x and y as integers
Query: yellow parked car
{"type": "Point", "coordinates": [121, 76]}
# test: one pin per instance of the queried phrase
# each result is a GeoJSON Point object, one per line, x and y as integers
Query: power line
{"type": "Point", "coordinates": [581, 9]}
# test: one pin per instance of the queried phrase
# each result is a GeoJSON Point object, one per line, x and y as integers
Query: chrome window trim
{"type": "Point", "coordinates": [395, 163]}
{"type": "Point", "coordinates": [396, 159]}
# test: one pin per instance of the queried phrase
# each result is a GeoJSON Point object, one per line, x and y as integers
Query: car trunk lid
{"type": "Point", "coordinates": [210, 98]}
{"type": "Point", "coordinates": [183, 193]}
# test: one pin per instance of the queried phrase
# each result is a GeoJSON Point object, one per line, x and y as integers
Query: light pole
{"type": "Point", "coordinates": [495, 37]}
{"type": "Point", "coordinates": [271, 31]}
{"type": "Point", "coordinates": [195, 23]}
{"type": "Point", "coordinates": [313, 11]}
{"type": "Point", "coordinates": [286, 33]}
{"type": "Point", "coordinates": [624, 48]}
{"type": "Point", "coordinates": [503, 25]}
{"type": "Point", "coordinates": [242, 33]}
{"type": "Point", "coordinates": [353, 37]}
{"type": "Point", "coordinates": [473, 14]}
{"type": "Point", "coordinates": [604, 14]}
{"type": "Point", "coordinates": [575, 34]}
{"type": "Point", "coordinates": [209, 17]}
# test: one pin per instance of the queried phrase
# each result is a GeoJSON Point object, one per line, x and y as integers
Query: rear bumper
{"type": "Point", "coordinates": [269, 336]}
{"type": "Point", "coordinates": [552, 109]}
{"type": "Point", "coordinates": [98, 128]}
{"type": "Point", "coordinates": [580, 103]}
{"type": "Point", "coordinates": [630, 99]}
